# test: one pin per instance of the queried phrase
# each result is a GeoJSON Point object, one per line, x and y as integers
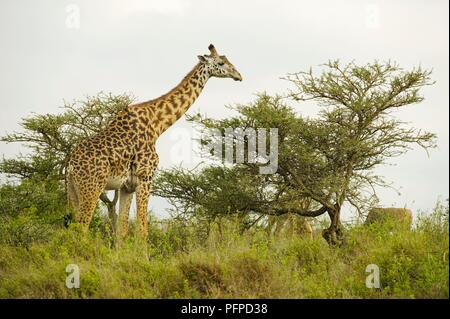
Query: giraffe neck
{"type": "Point", "coordinates": [172, 105]}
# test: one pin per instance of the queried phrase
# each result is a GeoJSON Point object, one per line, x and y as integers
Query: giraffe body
{"type": "Point", "coordinates": [123, 156]}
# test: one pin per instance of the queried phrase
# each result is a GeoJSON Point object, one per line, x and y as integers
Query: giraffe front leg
{"type": "Point", "coordinates": [142, 196]}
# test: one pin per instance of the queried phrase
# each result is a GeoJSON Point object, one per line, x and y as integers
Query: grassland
{"type": "Point", "coordinates": [181, 261]}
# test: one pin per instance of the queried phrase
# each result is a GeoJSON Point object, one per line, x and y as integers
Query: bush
{"type": "Point", "coordinates": [30, 211]}
{"type": "Point", "coordinates": [45, 199]}
{"type": "Point", "coordinates": [179, 262]}
{"type": "Point", "coordinates": [23, 230]}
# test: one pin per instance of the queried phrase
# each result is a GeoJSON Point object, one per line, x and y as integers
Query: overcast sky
{"type": "Point", "coordinates": [52, 51]}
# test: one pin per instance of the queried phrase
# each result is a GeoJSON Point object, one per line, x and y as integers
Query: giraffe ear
{"type": "Point", "coordinates": [201, 58]}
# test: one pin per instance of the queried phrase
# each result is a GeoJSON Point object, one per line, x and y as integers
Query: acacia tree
{"type": "Point", "coordinates": [330, 158]}
{"type": "Point", "coordinates": [220, 190]}
{"type": "Point", "coordinates": [214, 192]}
{"type": "Point", "coordinates": [51, 137]}
{"type": "Point", "coordinates": [355, 131]}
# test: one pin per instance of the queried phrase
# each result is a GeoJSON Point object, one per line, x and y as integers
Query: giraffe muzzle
{"type": "Point", "coordinates": [237, 77]}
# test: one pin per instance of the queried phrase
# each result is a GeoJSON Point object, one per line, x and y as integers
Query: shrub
{"type": "Point", "coordinates": [229, 263]}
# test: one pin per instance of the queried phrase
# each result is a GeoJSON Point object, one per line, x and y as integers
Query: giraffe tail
{"type": "Point", "coordinates": [72, 197]}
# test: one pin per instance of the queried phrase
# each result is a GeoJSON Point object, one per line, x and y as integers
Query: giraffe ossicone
{"type": "Point", "coordinates": [123, 156]}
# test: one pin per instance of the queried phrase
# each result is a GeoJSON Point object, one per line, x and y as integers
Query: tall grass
{"type": "Point", "coordinates": [184, 261]}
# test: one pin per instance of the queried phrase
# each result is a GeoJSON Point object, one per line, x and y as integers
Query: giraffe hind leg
{"type": "Point", "coordinates": [87, 203]}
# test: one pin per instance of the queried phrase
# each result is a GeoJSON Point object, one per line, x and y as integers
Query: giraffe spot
{"type": "Point", "coordinates": [168, 109]}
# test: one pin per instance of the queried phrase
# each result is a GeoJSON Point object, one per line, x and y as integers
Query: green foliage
{"type": "Point", "coordinates": [214, 192]}
{"type": "Point", "coordinates": [229, 263]}
{"type": "Point", "coordinates": [168, 237]}
{"type": "Point", "coordinates": [33, 210]}
{"type": "Point", "coordinates": [30, 211]}
{"type": "Point", "coordinates": [355, 130]}
{"type": "Point", "coordinates": [220, 191]}
{"type": "Point", "coordinates": [218, 246]}
{"type": "Point", "coordinates": [323, 161]}
{"type": "Point", "coordinates": [24, 230]}
{"type": "Point", "coordinates": [44, 198]}
{"type": "Point", "coordinates": [51, 137]}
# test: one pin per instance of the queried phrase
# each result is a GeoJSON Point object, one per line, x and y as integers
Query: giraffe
{"type": "Point", "coordinates": [123, 156]}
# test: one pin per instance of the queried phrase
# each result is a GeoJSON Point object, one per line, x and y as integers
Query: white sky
{"type": "Point", "coordinates": [146, 47]}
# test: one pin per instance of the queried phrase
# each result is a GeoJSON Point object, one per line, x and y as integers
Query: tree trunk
{"type": "Point", "coordinates": [333, 234]}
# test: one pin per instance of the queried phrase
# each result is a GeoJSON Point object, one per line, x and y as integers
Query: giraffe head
{"type": "Point", "coordinates": [218, 65]}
